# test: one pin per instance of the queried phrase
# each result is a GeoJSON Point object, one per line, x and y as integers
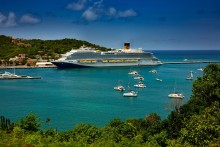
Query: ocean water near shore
{"type": "Point", "coordinates": [72, 96]}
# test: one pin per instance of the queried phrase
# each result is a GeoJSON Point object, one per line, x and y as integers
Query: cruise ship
{"type": "Point", "coordinates": [88, 57]}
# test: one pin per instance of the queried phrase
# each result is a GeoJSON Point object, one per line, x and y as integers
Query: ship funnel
{"type": "Point", "coordinates": [126, 46]}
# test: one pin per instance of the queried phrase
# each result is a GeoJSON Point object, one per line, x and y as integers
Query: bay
{"type": "Point", "coordinates": [72, 96]}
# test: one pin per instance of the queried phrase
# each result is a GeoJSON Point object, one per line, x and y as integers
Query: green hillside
{"type": "Point", "coordinates": [10, 47]}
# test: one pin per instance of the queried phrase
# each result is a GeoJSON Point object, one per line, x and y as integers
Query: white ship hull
{"type": "Point", "coordinates": [86, 57]}
{"type": "Point", "coordinates": [71, 64]}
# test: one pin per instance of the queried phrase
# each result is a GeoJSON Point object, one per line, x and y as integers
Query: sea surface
{"type": "Point", "coordinates": [72, 96]}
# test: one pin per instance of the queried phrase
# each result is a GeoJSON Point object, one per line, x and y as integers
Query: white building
{"type": "Point", "coordinates": [45, 64]}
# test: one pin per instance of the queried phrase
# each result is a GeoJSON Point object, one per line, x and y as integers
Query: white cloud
{"type": "Point", "coordinates": [94, 12]}
{"type": "Point", "coordinates": [98, 11]}
{"type": "Point", "coordinates": [29, 19]}
{"type": "Point", "coordinates": [112, 12]}
{"type": "Point", "coordinates": [90, 15]}
{"type": "Point", "coordinates": [2, 18]}
{"type": "Point", "coordinates": [78, 6]}
{"type": "Point", "coordinates": [11, 21]}
{"type": "Point", "coordinates": [127, 13]}
{"type": "Point", "coordinates": [98, 4]}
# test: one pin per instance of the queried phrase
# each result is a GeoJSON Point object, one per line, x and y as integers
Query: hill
{"type": "Point", "coordinates": [10, 47]}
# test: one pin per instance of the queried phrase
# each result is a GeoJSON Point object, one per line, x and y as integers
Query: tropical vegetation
{"type": "Point", "coordinates": [32, 48]}
{"type": "Point", "coordinates": [196, 123]}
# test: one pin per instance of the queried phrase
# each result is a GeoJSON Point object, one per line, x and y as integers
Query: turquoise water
{"type": "Point", "coordinates": [72, 96]}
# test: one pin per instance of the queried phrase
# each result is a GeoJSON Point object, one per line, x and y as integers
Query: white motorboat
{"type": "Point", "coordinates": [133, 73]}
{"type": "Point", "coordinates": [140, 85]}
{"type": "Point", "coordinates": [7, 75]}
{"type": "Point", "coordinates": [139, 77]}
{"type": "Point", "coordinates": [119, 88]}
{"type": "Point", "coordinates": [158, 79]}
{"type": "Point", "coordinates": [154, 71]}
{"type": "Point", "coordinates": [176, 95]}
{"type": "Point", "coordinates": [10, 76]}
{"type": "Point", "coordinates": [200, 69]}
{"type": "Point", "coordinates": [130, 94]}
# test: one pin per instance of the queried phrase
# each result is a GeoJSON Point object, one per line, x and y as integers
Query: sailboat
{"type": "Point", "coordinates": [200, 69]}
{"type": "Point", "coordinates": [130, 93]}
{"type": "Point", "coordinates": [175, 94]}
{"type": "Point", "coordinates": [119, 87]}
{"type": "Point", "coordinates": [191, 76]}
{"type": "Point", "coordinates": [140, 85]}
{"type": "Point", "coordinates": [134, 72]}
{"type": "Point", "coordinates": [139, 77]}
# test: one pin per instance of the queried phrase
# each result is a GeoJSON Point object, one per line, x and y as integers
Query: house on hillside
{"type": "Point", "coordinates": [18, 58]}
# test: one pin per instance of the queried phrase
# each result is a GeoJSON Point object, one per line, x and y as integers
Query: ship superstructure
{"type": "Point", "coordinates": [88, 57]}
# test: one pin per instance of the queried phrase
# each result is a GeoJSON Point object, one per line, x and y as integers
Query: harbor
{"type": "Point", "coordinates": [84, 92]}
{"type": "Point", "coordinates": [172, 62]}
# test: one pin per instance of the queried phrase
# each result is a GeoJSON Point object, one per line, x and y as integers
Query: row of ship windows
{"type": "Point", "coordinates": [109, 61]}
{"type": "Point", "coordinates": [107, 55]}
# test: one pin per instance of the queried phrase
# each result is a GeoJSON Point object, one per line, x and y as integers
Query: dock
{"type": "Point", "coordinates": [190, 62]}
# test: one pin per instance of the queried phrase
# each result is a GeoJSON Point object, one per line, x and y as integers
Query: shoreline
{"type": "Point", "coordinates": [24, 67]}
{"type": "Point", "coordinates": [33, 67]}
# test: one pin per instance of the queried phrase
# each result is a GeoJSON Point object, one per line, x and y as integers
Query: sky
{"type": "Point", "coordinates": [146, 24]}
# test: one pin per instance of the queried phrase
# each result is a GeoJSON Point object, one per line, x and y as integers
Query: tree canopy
{"type": "Point", "coordinates": [10, 47]}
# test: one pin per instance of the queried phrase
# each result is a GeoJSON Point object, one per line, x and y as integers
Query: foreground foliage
{"type": "Point", "coordinates": [196, 123]}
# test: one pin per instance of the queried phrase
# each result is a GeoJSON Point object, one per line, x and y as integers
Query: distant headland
{"type": "Point", "coordinates": [25, 53]}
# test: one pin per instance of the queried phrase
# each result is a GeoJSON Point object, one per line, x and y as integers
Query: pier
{"type": "Point", "coordinates": [190, 62]}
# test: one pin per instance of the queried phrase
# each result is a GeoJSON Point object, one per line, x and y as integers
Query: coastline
{"type": "Point", "coordinates": [54, 66]}
{"type": "Point", "coordinates": [25, 67]}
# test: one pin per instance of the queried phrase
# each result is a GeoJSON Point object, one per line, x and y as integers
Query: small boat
{"type": "Point", "coordinates": [154, 71]}
{"type": "Point", "coordinates": [133, 73]}
{"type": "Point", "coordinates": [140, 85]}
{"type": "Point", "coordinates": [130, 94]}
{"type": "Point", "coordinates": [119, 88]}
{"type": "Point", "coordinates": [200, 69]}
{"type": "Point", "coordinates": [158, 79]}
{"type": "Point", "coordinates": [175, 94]}
{"type": "Point", "coordinates": [139, 77]}
{"type": "Point", "coordinates": [9, 76]}
{"type": "Point", "coordinates": [191, 76]}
